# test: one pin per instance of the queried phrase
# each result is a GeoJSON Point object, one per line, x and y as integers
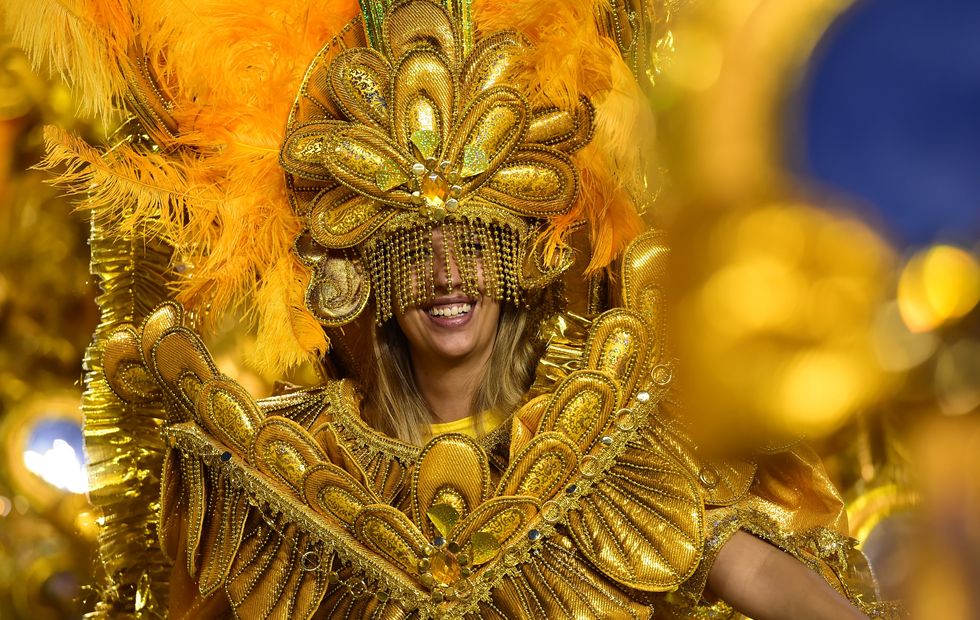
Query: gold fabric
{"type": "Point", "coordinates": [293, 507]}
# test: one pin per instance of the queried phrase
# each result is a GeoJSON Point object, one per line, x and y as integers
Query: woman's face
{"type": "Point", "coordinates": [452, 326]}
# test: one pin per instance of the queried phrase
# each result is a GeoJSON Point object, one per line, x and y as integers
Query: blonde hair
{"type": "Point", "coordinates": [393, 403]}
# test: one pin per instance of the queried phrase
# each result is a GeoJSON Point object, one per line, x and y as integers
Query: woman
{"type": "Point", "coordinates": [459, 182]}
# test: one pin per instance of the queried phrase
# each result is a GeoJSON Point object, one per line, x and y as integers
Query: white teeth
{"type": "Point", "coordinates": [451, 310]}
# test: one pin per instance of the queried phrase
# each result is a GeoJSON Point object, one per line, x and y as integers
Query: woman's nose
{"type": "Point", "coordinates": [445, 271]}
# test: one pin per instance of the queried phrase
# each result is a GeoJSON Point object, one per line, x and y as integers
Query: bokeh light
{"type": "Point", "coordinates": [938, 285]}
{"type": "Point", "coordinates": [55, 454]}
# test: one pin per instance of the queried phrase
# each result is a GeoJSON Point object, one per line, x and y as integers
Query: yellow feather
{"type": "Point", "coordinates": [571, 58]}
{"type": "Point", "coordinates": [287, 334]}
{"type": "Point", "coordinates": [83, 41]}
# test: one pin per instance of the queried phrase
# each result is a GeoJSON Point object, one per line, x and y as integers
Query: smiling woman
{"type": "Point", "coordinates": [469, 198]}
{"type": "Point", "coordinates": [452, 356]}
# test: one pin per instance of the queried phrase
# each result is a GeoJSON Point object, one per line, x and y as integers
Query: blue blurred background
{"type": "Point", "coordinates": [892, 116]}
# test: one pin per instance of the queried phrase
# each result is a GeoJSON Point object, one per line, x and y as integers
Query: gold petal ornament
{"type": "Point", "coordinates": [421, 130]}
{"type": "Point", "coordinates": [642, 524]}
{"type": "Point", "coordinates": [451, 469]}
{"type": "Point", "coordinates": [125, 369]}
{"type": "Point", "coordinates": [358, 81]}
{"type": "Point", "coordinates": [392, 535]}
{"type": "Point", "coordinates": [332, 491]}
{"type": "Point", "coordinates": [424, 100]}
{"type": "Point", "coordinates": [581, 407]}
{"type": "Point", "coordinates": [228, 412]}
{"type": "Point", "coordinates": [542, 468]}
{"type": "Point", "coordinates": [618, 345]}
{"type": "Point", "coordinates": [286, 452]}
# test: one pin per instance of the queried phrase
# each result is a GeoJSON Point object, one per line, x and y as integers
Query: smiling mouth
{"type": "Point", "coordinates": [451, 309]}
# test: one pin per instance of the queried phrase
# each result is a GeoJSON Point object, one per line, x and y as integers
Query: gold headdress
{"type": "Point", "coordinates": [422, 130]}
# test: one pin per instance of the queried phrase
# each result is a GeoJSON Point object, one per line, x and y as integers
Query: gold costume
{"type": "Point", "coordinates": [587, 502]}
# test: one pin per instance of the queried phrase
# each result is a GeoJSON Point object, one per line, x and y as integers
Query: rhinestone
{"type": "Point", "coordinates": [434, 189]}
{"type": "Point", "coordinates": [643, 397]}
{"type": "Point", "coordinates": [424, 565]}
{"type": "Point", "coordinates": [452, 547]}
{"type": "Point", "coordinates": [463, 560]}
{"type": "Point", "coordinates": [464, 589]}
{"type": "Point", "coordinates": [359, 589]}
{"type": "Point", "coordinates": [427, 580]}
{"type": "Point", "coordinates": [606, 440]}
{"type": "Point", "coordinates": [625, 420]}
{"type": "Point", "coordinates": [571, 488]}
{"type": "Point", "coordinates": [589, 466]}
{"type": "Point", "coordinates": [452, 203]}
{"type": "Point", "coordinates": [309, 561]}
{"type": "Point", "coordinates": [381, 595]}
{"type": "Point", "coordinates": [455, 191]}
{"type": "Point", "coordinates": [438, 213]}
{"type": "Point", "coordinates": [438, 541]}
{"type": "Point", "coordinates": [445, 568]}
{"type": "Point", "coordinates": [437, 597]}
{"type": "Point", "coordinates": [444, 165]}
{"type": "Point", "coordinates": [418, 169]}
{"type": "Point", "coordinates": [533, 535]}
{"type": "Point", "coordinates": [662, 375]}
{"type": "Point", "coordinates": [226, 456]}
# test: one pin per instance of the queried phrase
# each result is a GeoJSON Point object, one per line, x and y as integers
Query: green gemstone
{"type": "Point", "coordinates": [475, 161]}
{"type": "Point", "coordinates": [426, 141]}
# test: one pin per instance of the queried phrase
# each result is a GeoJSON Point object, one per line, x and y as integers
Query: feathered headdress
{"type": "Point", "coordinates": [207, 88]}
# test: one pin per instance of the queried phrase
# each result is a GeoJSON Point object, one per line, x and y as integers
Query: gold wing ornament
{"type": "Point", "coordinates": [265, 499]}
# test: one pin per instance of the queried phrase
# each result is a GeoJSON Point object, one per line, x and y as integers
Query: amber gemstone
{"type": "Point", "coordinates": [445, 568]}
{"type": "Point", "coordinates": [434, 189]}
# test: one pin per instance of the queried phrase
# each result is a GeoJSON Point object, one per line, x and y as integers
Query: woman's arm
{"type": "Point", "coordinates": [764, 583]}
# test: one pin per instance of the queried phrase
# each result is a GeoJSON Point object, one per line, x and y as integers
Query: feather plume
{"type": "Point", "coordinates": [286, 322]}
{"type": "Point", "coordinates": [570, 58]}
{"type": "Point", "coordinates": [227, 72]}
{"type": "Point", "coordinates": [82, 41]}
{"type": "Point", "coordinates": [145, 182]}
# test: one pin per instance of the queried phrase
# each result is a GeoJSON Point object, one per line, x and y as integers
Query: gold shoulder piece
{"type": "Point", "coordinates": [645, 273]}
